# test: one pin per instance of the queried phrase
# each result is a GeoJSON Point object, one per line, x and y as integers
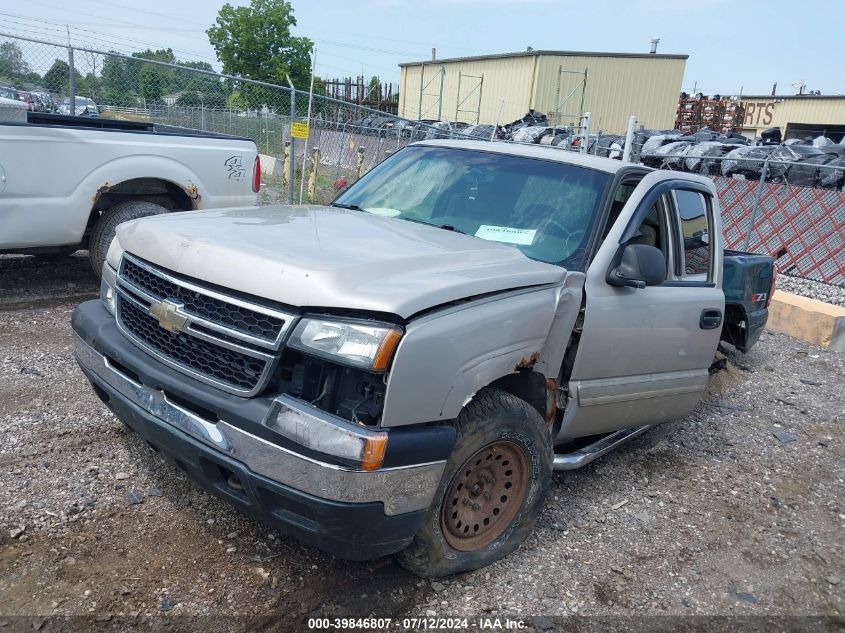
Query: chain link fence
{"type": "Point", "coordinates": [766, 210]}
{"type": "Point", "coordinates": [343, 142]}
{"type": "Point", "coordinates": [795, 212]}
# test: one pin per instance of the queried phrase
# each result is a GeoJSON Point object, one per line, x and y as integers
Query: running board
{"type": "Point", "coordinates": [583, 456]}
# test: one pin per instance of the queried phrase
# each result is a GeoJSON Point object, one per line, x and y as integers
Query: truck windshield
{"type": "Point", "coordinates": [544, 208]}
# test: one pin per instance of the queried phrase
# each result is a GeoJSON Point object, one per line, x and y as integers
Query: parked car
{"type": "Point", "coordinates": [403, 370]}
{"type": "Point", "coordinates": [106, 172]}
{"type": "Point", "coordinates": [83, 107]}
{"type": "Point", "coordinates": [44, 102]}
{"type": "Point", "coordinates": [28, 98]}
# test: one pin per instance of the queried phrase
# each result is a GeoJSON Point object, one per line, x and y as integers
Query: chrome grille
{"type": "Point", "coordinates": [225, 341]}
{"type": "Point", "coordinates": [232, 368]}
{"type": "Point", "coordinates": [225, 313]}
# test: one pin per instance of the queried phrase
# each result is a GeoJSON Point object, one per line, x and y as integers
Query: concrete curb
{"type": "Point", "coordinates": [810, 320]}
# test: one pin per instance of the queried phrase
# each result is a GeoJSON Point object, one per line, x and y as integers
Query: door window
{"type": "Point", "coordinates": [696, 227]}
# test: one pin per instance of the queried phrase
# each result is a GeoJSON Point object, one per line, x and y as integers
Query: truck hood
{"type": "Point", "coordinates": [332, 258]}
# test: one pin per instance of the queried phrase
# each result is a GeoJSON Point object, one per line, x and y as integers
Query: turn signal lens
{"type": "Point", "coordinates": [386, 349]}
{"type": "Point", "coordinates": [108, 281]}
{"type": "Point", "coordinates": [372, 457]}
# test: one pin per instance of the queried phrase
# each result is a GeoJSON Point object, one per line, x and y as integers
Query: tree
{"type": "Point", "coordinates": [215, 100]}
{"type": "Point", "coordinates": [161, 55]}
{"type": "Point", "coordinates": [57, 79]}
{"type": "Point", "coordinates": [255, 42]}
{"type": "Point", "coordinates": [319, 86]}
{"type": "Point", "coordinates": [236, 102]}
{"type": "Point", "coordinates": [190, 99]}
{"type": "Point", "coordinates": [118, 86]}
{"type": "Point", "coordinates": [152, 83]}
{"type": "Point", "coordinates": [186, 80]}
{"type": "Point", "coordinates": [12, 63]}
{"type": "Point", "coordinates": [90, 87]}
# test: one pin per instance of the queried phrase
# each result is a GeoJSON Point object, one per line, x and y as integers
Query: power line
{"type": "Point", "coordinates": [363, 47]}
{"type": "Point", "coordinates": [194, 53]}
{"type": "Point", "coordinates": [206, 26]}
{"type": "Point", "coordinates": [45, 28]}
{"type": "Point", "coordinates": [156, 14]}
{"type": "Point", "coordinates": [357, 61]}
{"type": "Point", "coordinates": [83, 40]}
{"type": "Point", "coordinates": [101, 35]}
{"type": "Point", "coordinates": [426, 45]}
{"type": "Point", "coordinates": [48, 31]}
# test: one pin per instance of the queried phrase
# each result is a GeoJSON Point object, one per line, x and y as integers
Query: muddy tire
{"type": "Point", "coordinates": [491, 492]}
{"type": "Point", "coordinates": [103, 232]}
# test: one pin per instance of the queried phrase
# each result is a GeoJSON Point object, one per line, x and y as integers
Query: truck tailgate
{"type": "Point", "coordinates": [748, 283]}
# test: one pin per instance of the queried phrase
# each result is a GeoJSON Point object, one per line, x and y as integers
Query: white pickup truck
{"type": "Point", "coordinates": [67, 182]}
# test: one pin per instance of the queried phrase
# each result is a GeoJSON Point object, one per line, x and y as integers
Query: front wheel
{"type": "Point", "coordinates": [492, 490]}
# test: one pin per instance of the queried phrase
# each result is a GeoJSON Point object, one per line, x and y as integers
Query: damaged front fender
{"type": "Point", "coordinates": [446, 357]}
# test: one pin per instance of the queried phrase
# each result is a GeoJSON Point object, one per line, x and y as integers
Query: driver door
{"type": "Point", "coordinates": [644, 354]}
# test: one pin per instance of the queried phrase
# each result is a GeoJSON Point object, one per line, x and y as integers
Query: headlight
{"type": "Point", "coordinates": [107, 284]}
{"type": "Point", "coordinates": [357, 343]}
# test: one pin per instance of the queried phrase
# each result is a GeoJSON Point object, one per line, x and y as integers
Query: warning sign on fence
{"type": "Point", "coordinates": [299, 130]}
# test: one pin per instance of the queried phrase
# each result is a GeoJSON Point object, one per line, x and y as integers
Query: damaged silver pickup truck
{"type": "Point", "coordinates": [403, 370]}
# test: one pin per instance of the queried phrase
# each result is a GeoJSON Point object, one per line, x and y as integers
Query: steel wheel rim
{"type": "Point", "coordinates": [484, 496]}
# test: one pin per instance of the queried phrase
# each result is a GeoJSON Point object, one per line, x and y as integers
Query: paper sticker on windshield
{"type": "Point", "coordinates": [384, 211]}
{"type": "Point", "coordinates": [507, 234]}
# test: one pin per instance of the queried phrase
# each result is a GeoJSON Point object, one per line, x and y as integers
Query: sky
{"type": "Point", "coordinates": [734, 46]}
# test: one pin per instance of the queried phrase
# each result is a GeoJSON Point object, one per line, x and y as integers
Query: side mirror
{"type": "Point", "coordinates": [638, 266]}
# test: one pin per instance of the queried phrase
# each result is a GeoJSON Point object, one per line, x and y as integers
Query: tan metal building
{"type": "Point", "coordinates": [561, 84]}
{"type": "Point", "coordinates": [797, 116]}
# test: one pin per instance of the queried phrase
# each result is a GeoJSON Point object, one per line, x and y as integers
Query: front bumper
{"type": "Point", "coordinates": [350, 513]}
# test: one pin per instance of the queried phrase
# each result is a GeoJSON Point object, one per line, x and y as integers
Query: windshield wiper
{"type": "Point", "coordinates": [340, 205]}
{"type": "Point", "coordinates": [445, 227]}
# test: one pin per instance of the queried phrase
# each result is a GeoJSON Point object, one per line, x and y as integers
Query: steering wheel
{"type": "Point", "coordinates": [569, 234]}
{"type": "Point", "coordinates": [545, 215]}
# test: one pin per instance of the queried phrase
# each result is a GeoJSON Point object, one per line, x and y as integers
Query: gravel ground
{"type": "Point", "coordinates": [736, 510]}
{"type": "Point", "coordinates": [812, 289]}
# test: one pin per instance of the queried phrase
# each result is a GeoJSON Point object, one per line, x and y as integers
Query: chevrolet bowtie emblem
{"type": "Point", "coordinates": [167, 314]}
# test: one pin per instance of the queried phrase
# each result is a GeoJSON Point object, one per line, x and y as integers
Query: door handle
{"type": "Point", "coordinates": [710, 319]}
